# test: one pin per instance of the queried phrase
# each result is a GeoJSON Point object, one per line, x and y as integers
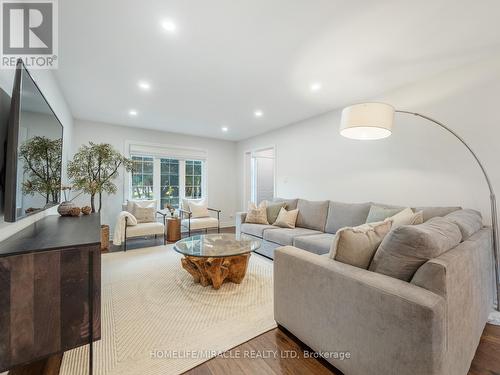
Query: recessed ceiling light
{"type": "Point", "coordinates": [144, 85]}
{"type": "Point", "coordinates": [169, 26]}
{"type": "Point", "coordinates": [225, 129]}
{"type": "Point", "coordinates": [258, 113]}
{"type": "Point", "coordinates": [132, 112]}
{"type": "Point", "coordinates": [316, 86]}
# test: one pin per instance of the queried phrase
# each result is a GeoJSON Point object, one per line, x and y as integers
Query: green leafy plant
{"type": "Point", "coordinates": [41, 157]}
{"type": "Point", "coordinates": [94, 168]}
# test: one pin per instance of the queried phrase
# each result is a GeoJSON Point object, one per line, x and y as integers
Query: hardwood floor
{"type": "Point", "coordinates": [486, 361]}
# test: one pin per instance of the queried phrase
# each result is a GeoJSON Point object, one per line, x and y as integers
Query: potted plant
{"type": "Point", "coordinates": [94, 168]}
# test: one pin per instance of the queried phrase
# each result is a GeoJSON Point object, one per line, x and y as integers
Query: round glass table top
{"type": "Point", "coordinates": [216, 245]}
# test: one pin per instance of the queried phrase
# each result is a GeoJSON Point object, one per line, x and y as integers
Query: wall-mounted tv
{"type": "Point", "coordinates": [33, 159]}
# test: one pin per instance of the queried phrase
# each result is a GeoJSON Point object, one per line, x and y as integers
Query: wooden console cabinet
{"type": "Point", "coordinates": [50, 278]}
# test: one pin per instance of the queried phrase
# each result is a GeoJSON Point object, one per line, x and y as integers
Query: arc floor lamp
{"type": "Point", "coordinates": [371, 121]}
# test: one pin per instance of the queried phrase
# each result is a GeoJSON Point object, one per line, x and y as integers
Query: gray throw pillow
{"type": "Point", "coordinates": [273, 209]}
{"type": "Point", "coordinates": [380, 213]}
{"type": "Point", "coordinates": [406, 248]}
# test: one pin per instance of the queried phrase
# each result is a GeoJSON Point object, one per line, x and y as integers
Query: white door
{"type": "Point", "coordinates": [262, 175]}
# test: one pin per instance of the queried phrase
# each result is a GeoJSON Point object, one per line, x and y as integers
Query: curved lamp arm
{"type": "Point", "coordinates": [494, 218]}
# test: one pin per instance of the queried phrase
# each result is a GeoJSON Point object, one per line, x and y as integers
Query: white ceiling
{"type": "Point", "coordinates": [230, 57]}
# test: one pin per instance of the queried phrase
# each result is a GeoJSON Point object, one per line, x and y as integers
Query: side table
{"type": "Point", "coordinates": [173, 229]}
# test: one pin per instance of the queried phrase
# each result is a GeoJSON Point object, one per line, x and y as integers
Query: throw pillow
{"type": "Point", "coordinates": [143, 214]}
{"type": "Point", "coordinates": [257, 215]}
{"type": "Point", "coordinates": [286, 219]}
{"type": "Point", "coordinates": [380, 213]}
{"type": "Point", "coordinates": [406, 248]}
{"type": "Point", "coordinates": [357, 245]}
{"type": "Point", "coordinates": [273, 209]}
{"type": "Point", "coordinates": [140, 203]}
{"type": "Point", "coordinates": [406, 217]}
{"type": "Point", "coordinates": [198, 208]}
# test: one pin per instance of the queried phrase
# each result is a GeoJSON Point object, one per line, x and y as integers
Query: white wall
{"type": "Point", "coordinates": [50, 88]}
{"type": "Point", "coordinates": [419, 164]}
{"type": "Point", "coordinates": [220, 165]}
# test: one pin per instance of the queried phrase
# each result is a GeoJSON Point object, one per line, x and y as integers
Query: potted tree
{"type": "Point", "coordinates": [93, 171]}
{"type": "Point", "coordinates": [94, 168]}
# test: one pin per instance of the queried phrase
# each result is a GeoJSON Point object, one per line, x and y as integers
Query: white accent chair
{"type": "Point", "coordinates": [198, 223]}
{"type": "Point", "coordinates": [153, 228]}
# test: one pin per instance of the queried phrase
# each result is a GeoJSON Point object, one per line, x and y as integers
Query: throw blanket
{"type": "Point", "coordinates": [119, 235]}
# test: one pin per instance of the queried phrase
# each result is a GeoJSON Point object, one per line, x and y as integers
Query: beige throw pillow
{"type": "Point", "coordinates": [198, 208]}
{"type": "Point", "coordinates": [286, 219]}
{"type": "Point", "coordinates": [257, 215]}
{"type": "Point", "coordinates": [357, 246]}
{"type": "Point", "coordinates": [406, 217]}
{"type": "Point", "coordinates": [143, 214]}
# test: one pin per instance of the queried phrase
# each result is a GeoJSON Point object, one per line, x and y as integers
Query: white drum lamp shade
{"type": "Point", "coordinates": [367, 121]}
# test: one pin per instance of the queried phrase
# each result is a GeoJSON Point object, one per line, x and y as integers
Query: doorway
{"type": "Point", "coordinates": [260, 175]}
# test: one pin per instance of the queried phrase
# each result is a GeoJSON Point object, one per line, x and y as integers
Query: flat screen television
{"type": "Point", "coordinates": [33, 155]}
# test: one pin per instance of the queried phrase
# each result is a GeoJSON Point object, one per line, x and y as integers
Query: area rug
{"type": "Point", "coordinates": [156, 320]}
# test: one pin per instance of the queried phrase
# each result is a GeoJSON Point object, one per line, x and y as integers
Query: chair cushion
{"type": "Point", "coordinates": [144, 214]}
{"type": "Point", "coordinates": [198, 208]}
{"type": "Point", "coordinates": [315, 243]}
{"type": "Point", "coordinates": [201, 223]}
{"type": "Point", "coordinates": [341, 215]}
{"type": "Point", "coordinates": [406, 248]}
{"type": "Point", "coordinates": [285, 236]}
{"type": "Point", "coordinates": [145, 229]}
{"type": "Point", "coordinates": [468, 221]}
{"type": "Point", "coordinates": [312, 215]}
{"type": "Point", "coordinates": [255, 229]}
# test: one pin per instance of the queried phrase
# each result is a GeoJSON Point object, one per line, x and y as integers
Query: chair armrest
{"type": "Point", "coordinates": [334, 306]}
{"type": "Point", "coordinates": [213, 209]}
{"type": "Point", "coordinates": [184, 212]}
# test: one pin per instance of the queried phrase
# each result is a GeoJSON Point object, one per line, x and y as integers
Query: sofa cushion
{"type": "Point", "coordinates": [430, 212]}
{"type": "Point", "coordinates": [285, 236]}
{"type": "Point", "coordinates": [342, 215]}
{"type": "Point", "coordinates": [469, 221]}
{"type": "Point", "coordinates": [315, 243]}
{"type": "Point", "coordinates": [255, 229]}
{"type": "Point", "coordinates": [380, 213]}
{"type": "Point", "coordinates": [273, 210]}
{"type": "Point", "coordinates": [356, 246]}
{"type": "Point", "coordinates": [312, 214]}
{"type": "Point", "coordinates": [291, 204]}
{"type": "Point", "coordinates": [406, 248]}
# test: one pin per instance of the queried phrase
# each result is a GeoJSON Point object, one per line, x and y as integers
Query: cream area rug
{"type": "Point", "coordinates": [156, 320]}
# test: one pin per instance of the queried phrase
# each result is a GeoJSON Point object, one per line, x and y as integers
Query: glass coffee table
{"type": "Point", "coordinates": [213, 259]}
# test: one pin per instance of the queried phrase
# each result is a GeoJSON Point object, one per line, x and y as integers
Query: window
{"type": "Point", "coordinates": [167, 180]}
{"type": "Point", "coordinates": [142, 177]}
{"type": "Point", "coordinates": [193, 179]}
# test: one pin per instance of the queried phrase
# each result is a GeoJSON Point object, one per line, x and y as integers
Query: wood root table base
{"type": "Point", "coordinates": [216, 271]}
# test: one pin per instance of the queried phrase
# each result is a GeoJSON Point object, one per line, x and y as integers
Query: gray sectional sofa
{"type": "Point", "coordinates": [317, 223]}
{"type": "Point", "coordinates": [366, 322]}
